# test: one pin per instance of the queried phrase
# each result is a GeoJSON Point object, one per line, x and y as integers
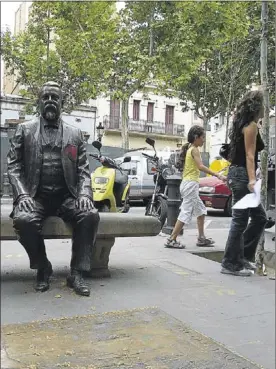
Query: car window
{"type": "Point", "coordinates": [130, 168]}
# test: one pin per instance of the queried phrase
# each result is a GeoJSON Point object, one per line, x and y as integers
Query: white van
{"type": "Point", "coordinates": [140, 172]}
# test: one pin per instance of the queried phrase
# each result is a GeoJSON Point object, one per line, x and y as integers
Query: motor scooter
{"type": "Point", "coordinates": [110, 185]}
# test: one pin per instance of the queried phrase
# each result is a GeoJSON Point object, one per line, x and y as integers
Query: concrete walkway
{"type": "Point", "coordinates": [237, 312]}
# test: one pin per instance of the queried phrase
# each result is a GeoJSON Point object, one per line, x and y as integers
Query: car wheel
{"type": "Point", "coordinates": [228, 207]}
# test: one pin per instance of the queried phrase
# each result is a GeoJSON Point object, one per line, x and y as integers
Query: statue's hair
{"type": "Point", "coordinates": [49, 84]}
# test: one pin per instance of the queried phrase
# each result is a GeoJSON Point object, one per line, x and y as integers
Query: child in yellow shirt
{"type": "Point", "coordinates": [189, 189]}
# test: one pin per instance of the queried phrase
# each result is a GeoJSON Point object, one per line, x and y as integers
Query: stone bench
{"type": "Point", "coordinates": [112, 225]}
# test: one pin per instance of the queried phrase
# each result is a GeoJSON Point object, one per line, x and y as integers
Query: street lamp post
{"type": "Point", "coordinates": [100, 131]}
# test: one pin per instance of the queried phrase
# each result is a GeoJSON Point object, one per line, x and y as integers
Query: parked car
{"type": "Point", "coordinates": [215, 194]}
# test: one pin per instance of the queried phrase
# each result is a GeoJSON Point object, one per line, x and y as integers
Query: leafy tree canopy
{"type": "Point", "coordinates": [69, 42]}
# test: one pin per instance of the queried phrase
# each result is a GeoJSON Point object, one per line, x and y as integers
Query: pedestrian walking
{"type": "Point", "coordinates": [245, 144]}
{"type": "Point", "coordinates": [191, 162]}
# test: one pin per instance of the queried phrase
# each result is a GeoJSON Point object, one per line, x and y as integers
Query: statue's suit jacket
{"type": "Point", "coordinates": [25, 160]}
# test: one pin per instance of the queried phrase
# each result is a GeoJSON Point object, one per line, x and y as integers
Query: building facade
{"type": "Point", "coordinates": [10, 84]}
{"type": "Point", "coordinates": [154, 116]}
{"type": "Point", "coordinates": [150, 115]}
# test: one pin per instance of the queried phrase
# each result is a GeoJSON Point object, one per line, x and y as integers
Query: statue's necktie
{"type": "Point", "coordinates": [51, 132]}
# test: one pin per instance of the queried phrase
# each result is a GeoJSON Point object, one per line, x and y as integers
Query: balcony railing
{"type": "Point", "coordinates": [143, 126]}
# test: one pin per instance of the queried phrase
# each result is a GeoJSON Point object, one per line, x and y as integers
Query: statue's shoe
{"type": "Point", "coordinates": [43, 278]}
{"type": "Point", "coordinates": [76, 281]}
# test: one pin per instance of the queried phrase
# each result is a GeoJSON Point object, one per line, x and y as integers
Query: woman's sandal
{"type": "Point", "coordinates": [205, 242]}
{"type": "Point", "coordinates": [172, 244]}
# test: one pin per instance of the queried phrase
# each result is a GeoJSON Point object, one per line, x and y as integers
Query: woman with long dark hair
{"type": "Point", "coordinates": [191, 163]}
{"type": "Point", "coordinates": [245, 144]}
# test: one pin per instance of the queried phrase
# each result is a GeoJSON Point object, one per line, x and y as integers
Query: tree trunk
{"type": "Point", "coordinates": [265, 125]}
{"type": "Point", "coordinates": [227, 126]}
{"type": "Point", "coordinates": [125, 138]}
{"type": "Point", "coordinates": [205, 126]}
{"type": "Point", "coordinates": [228, 111]}
{"type": "Point", "coordinates": [48, 47]}
{"type": "Point", "coordinates": [150, 37]}
{"type": "Point", "coordinates": [222, 119]}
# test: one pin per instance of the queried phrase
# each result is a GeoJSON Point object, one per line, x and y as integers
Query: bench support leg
{"type": "Point", "coordinates": [100, 258]}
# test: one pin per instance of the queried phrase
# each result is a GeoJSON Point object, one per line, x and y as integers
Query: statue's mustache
{"type": "Point", "coordinates": [50, 106]}
{"type": "Point", "coordinates": [50, 115]}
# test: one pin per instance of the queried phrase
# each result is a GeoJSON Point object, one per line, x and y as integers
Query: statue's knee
{"type": "Point", "coordinates": [24, 220]}
{"type": "Point", "coordinates": [91, 216]}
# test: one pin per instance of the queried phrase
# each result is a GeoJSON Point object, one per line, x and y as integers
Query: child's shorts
{"type": "Point", "coordinates": [191, 202]}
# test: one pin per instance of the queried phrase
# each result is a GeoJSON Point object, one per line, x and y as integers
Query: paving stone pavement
{"type": "Point", "coordinates": [137, 338]}
{"type": "Point", "coordinates": [237, 312]}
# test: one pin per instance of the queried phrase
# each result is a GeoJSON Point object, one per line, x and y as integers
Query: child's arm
{"type": "Point", "coordinates": [201, 167]}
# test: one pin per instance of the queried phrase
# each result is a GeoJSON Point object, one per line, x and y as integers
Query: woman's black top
{"type": "Point", "coordinates": [239, 156]}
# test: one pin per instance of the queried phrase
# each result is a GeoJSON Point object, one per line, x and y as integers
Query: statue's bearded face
{"type": "Point", "coordinates": [50, 103]}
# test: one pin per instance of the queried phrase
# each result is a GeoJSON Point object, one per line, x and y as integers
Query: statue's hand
{"type": "Point", "coordinates": [26, 203]}
{"type": "Point", "coordinates": [84, 203]}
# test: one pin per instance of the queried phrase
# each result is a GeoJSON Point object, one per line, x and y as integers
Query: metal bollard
{"type": "Point", "coordinates": [174, 202]}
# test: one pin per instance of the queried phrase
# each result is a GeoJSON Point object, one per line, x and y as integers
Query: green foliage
{"type": "Point", "coordinates": [69, 42]}
{"type": "Point", "coordinates": [195, 30]}
{"type": "Point", "coordinates": [254, 39]}
{"type": "Point", "coordinates": [211, 54]}
{"type": "Point", "coordinates": [132, 59]}
{"type": "Point", "coordinates": [201, 43]}
{"type": "Point", "coordinates": [206, 52]}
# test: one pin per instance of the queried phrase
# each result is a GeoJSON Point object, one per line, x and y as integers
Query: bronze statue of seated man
{"type": "Point", "coordinates": [49, 174]}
